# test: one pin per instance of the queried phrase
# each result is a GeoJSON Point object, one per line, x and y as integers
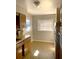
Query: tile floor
{"type": "Point", "coordinates": [42, 50]}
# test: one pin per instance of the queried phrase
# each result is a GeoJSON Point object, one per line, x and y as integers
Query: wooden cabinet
{"type": "Point", "coordinates": [27, 45]}
{"type": "Point", "coordinates": [19, 53]}
{"type": "Point", "coordinates": [19, 50]}
{"type": "Point", "coordinates": [22, 21]}
{"type": "Point", "coordinates": [23, 49]}
{"type": "Point", "coordinates": [23, 25]}
{"type": "Point", "coordinates": [20, 26]}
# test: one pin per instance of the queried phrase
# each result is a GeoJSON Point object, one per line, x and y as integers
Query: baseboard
{"type": "Point", "coordinates": [43, 41]}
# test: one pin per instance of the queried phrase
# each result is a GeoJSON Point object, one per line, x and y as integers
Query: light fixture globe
{"type": "Point", "coordinates": [36, 2]}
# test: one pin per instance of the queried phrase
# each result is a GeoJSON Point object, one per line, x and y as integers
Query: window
{"type": "Point", "coordinates": [28, 24]}
{"type": "Point", "coordinates": [45, 25]}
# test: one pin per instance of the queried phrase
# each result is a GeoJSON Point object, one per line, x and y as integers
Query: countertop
{"type": "Point", "coordinates": [26, 36]}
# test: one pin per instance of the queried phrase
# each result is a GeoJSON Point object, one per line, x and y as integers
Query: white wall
{"type": "Point", "coordinates": [45, 36]}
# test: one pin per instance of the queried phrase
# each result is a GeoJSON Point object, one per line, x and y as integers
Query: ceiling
{"type": "Point", "coordinates": [45, 6]}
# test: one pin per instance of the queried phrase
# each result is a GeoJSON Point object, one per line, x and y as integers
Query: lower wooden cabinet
{"type": "Point", "coordinates": [19, 50]}
{"type": "Point", "coordinates": [19, 53]}
{"type": "Point", "coordinates": [23, 49]}
{"type": "Point", "coordinates": [27, 45]}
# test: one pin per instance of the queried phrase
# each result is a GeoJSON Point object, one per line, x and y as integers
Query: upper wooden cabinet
{"type": "Point", "coordinates": [20, 25]}
{"type": "Point", "coordinates": [23, 21]}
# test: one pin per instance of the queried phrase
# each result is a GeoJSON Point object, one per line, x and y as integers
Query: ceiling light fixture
{"type": "Point", "coordinates": [36, 2]}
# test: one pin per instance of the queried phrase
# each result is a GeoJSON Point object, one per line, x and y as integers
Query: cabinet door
{"type": "Point", "coordinates": [23, 25]}
{"type": "Point", "coordinates": [27, 49]}
{"type": "Point", "coordinates": [17, 26]}
{"type": "Point", "coordinates": [17, 20]}
{"type": "Point", "coordinates": [22, 20]}
{"type": "Point", "coordinates": [19, 53]}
